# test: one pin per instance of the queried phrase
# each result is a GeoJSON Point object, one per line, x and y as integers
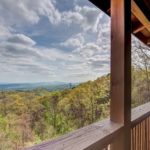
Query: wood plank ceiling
{"type": "Point", "coordinates": [140, 17]}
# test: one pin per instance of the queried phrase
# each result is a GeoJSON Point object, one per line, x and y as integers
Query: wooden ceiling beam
{"type": "Point", "coordinates": [140, 15]}
{"type": "Point", "coordinates": [138, 29]}
{"type": "Point", "coordinates": [148, 41]}
{"type": "Point", "coordinates": [109, 11]}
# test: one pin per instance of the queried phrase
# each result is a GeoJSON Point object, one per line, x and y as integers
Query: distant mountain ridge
{"type": "Point", "coordinates": [31, 86]}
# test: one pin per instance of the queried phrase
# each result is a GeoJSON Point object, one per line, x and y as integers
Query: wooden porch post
{"type": "Point", "coordinates": [121, 71]}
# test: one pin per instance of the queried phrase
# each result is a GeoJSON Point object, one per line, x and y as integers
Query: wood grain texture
{"type": "Point", "coordinates": [140, 15]}
{"type": "Point", "coordinates": [120, 111]}
{"type": "Point", "coordinates": [92, 137]}
{"type": "Point", "coordinates": [140, 113]}
{"type": "Point", "coordinates": [141, 135]}
{"type": "Point", "coordinates": [138, 29]}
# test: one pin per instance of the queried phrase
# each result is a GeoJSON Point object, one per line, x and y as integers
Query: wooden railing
{"type": "Point", "coordinates": [140, 132]}
{"type": "Point", "coordinates": [96, 136]}
{"type": "Point", "coordinates": [100, 136]}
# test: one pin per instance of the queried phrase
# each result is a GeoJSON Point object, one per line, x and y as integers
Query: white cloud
{"type": "Point", "coordinates": [89, 50]}
{"type": "Point", "coordinates": [19, 55]}
{"type": "Point", "coordinates": [70, 17]}
{"type": "Point", "coordinates": [4, 32]}
{"type": "Point", "coordinates": [21, 39]}
{"type": "Point", "coordinates": [24, 12]}
{"type": "Point", "coordinates": [94, 56]}
{"type": "Point", "coordinates": [79, 58]}
{"type": "Point", "coordinates": [74, 42]}
{"type": "Point", "coordinates": [91, 16]}
{"type": "Point", "coordinates": [86, 17]}
{"type": "Point", "coordinates": [45, 8]}
{"type": "Point", "coordinates": [103, 38]}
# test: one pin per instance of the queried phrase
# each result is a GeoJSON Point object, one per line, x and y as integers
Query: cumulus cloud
{"type": "Point", "coordinates": [94, 56]}
{"type": "Point", "coordinates": [27, 12]}
{"type": "Point", "coordinates": [72, 17]}
{"type": "Point", "coordinates": [21, 39]}
{"type": "Point", "coordinates": [18, 50]}
{"type": "Point", "coordinates": [103, 38]}
{"type": "Point", "coordinates": [45, 8]}
{"type": "Point", "coordinates": [86, 17]}
{"type": "Point", "coordinates": [74, 42]}
{"type": "Point", "coordinates": [89, 50]}
{"type": "Point", "coordinates": [23, 55]}
{"type": "Point", "coordinates": [5, 32]}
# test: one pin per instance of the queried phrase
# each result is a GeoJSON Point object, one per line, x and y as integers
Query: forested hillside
{"type": "Point", "coordinates": [29, 117]}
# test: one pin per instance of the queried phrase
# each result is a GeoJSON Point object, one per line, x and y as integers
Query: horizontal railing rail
{"type": "Point", "coordinates": [96, 136]}
{"type": "Point", "coordinates": [140, 113]}
{"type": "Point", "coordinates": [100, 135]}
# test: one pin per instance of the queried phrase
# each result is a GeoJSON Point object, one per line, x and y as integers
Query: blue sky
{"type": "Point", "coordinates": [53, 40]}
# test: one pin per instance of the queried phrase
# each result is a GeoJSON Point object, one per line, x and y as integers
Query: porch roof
{"type": "Point", "coordinates": [140, 17]}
